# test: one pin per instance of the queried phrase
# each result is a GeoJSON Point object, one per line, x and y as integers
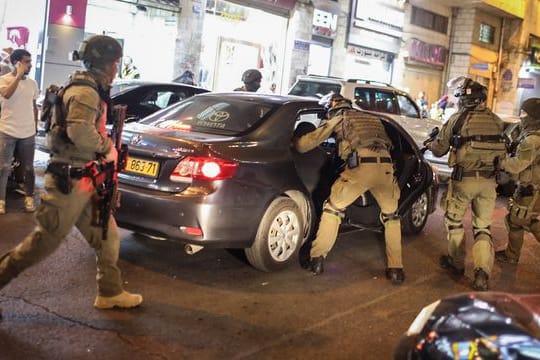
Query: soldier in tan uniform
{"type": "Point", "coordinates": [364, 145]}
{"type": "Point", "coordinates": [473, 136]}
{"type": "Point", "coordinates": [78, 137]}
{"type": "Point", "coordinates": [524, 206]}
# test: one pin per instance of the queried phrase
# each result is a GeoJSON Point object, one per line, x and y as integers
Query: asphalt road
{"type": "Point", "coordinates": [213, 305]}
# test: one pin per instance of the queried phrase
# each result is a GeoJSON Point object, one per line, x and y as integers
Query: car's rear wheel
{"type": "Point", "coordinates": [279, 236]}
{"type": "Point", "coordinates": [415, 218]}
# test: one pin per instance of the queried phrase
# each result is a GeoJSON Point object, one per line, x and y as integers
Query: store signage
{"type": "Point", "coordinates": [324, 24]}
{"type": "Point", "coordinates": [480, 66]}
{"type": "Point", "coordinates": [18, 36]}
{"type": "Point", "coordinates": [301, 45]}
{"type": "Point", "coordinates": [382, 16]}
{"type": "Point", "coordinates": [427, 53]}
{"type": "Point", "coordinates": [526, 83]}
{"type": "Point", "coordinates": [68, 12]}
{"type": "Point", "coordinates": [226, 9]}
{"type": "Point", "coordinates": [370, 53]}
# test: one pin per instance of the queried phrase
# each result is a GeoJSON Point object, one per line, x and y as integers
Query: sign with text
{"type": "Point", "coordinates": [427, 53]}
{"type": "Point", "coordinates": [526, 83]}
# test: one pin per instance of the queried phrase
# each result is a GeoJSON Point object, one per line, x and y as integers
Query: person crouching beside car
{"type": "Point", "coordinates": [365, 146]}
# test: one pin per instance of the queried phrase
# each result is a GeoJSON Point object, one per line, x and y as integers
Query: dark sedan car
{"type": "Point", "coordinates": [219, 170]}
{"type": "Point", "coordinates": [475, 326]}
{"type": "Point", "coordinates": [142, 99]}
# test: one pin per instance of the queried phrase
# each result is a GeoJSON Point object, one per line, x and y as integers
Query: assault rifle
{"type": "Point", "coordinates": [106, 174]}
{"type": "Point", "coordinates": [431, 137]}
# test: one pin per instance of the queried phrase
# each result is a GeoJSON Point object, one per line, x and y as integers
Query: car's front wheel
{"type": "Point", "coordinates": [415, 218]}
{"type": "Point", "coordinates": [278, 238]}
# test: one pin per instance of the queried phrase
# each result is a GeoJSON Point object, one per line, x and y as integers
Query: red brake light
{"type": "Point", "coordinates": [204, 168]}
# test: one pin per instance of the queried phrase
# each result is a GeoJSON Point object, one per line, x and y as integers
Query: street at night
{"type": "Point", "coordinates": [214, 305]}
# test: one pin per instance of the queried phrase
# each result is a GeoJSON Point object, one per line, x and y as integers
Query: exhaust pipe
{"type": "Point", "coordinates": [191, 249]}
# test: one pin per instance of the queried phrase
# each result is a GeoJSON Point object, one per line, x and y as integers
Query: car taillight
{"type": "Point", "coordinates": [204, 168]}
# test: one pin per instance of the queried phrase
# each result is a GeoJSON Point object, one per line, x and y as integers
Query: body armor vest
{"type": "Point", "coordinates": [358, 130]}
{"type": "Point", "coordinates": [480, 141]}
{"type": "Point", "coordinates": [531, 175]}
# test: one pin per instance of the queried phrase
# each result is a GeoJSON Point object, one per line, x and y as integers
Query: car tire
{"type": "Point", "coordinates": [415, 218]}
{"type": "Point", "coordinates": [279, 236]}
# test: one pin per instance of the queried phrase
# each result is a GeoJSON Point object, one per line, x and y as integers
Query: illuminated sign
{"type": "Point", "coordinates": [324, 24]}
{"type": "Point", "coordinates": [427, 53]}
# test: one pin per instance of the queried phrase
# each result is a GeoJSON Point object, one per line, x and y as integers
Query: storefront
{"type": "Point", "coordinates": [324, 29]}
{"type": "Point", "coordinates": [374, 39]}
{"type": "Point", "coordinates": [21, 26]}
{"type": "Point", "coordinates": [237, 38]}
{"type": "Point", "coordinates": [148, 33]}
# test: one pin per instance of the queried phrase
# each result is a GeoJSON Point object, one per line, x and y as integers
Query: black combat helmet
{"type": "Point", "coordinates": [532, 107]}
{"type": "Point", "coordinates": [251, 75]}
{"type": "Point", "coordinates": [98, 51]}
{"type": "Point", "coordinates": [469, 92]}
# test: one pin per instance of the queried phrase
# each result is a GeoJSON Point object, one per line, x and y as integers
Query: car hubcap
{"type": "Point", "coordinates": [283, 235]}
{"type": "Point", "coordinates": [419, 210]}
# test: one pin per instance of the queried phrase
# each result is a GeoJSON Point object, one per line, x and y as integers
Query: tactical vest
{"type": "Point", "coordinates": [358, 130]}
{"type": "Point", "coordinates": [531, 175]}
{"type": "Point", "coordinates": [57, 138]}
{"type": "Point", "coordinates": [480, 141]}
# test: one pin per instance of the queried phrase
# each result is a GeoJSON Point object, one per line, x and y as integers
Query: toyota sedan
{"type": "Point", "coordinates": [219, 170]}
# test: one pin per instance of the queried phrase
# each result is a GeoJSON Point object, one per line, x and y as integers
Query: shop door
{"type": "Point", "coordinates": [234, 57]}
{"type": "Point", "coordinates": [319, 60]}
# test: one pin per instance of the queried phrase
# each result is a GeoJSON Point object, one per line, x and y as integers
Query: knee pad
{"type": "Point", "coordinates": [389, 217]}
{"type": "Point", "coordinates": [330, 208]}
{"type": "Point", "coordinates": [452, 223]}
{"type": "Point", "coordinates": [482, 232]}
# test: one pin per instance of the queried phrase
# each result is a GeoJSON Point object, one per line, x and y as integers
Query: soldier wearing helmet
{"type": "Point", "coordinates": [524, 206]}
{"type": "Point", "coordinates": [365, 147]}
{"type": "Point", "coordinates": [78, 138]}
{"type": "Point", "coordinates": [251, 79]}
{"type": "Point", "coordinates": [473, 136]}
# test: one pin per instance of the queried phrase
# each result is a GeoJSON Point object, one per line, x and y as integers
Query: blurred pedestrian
{"type": "Point", "coordinates": [18, 120]}
{"type": "Point", "coordinates": [422, 103]}
{"type": "Point", "coordinates": [186, 78]}
{"type": "Point", "coordinates": [129, 71]}
{"type": "Point", "coordinates": [273, 88]}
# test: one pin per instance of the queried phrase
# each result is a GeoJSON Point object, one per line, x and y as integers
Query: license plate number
{"type": "Point", "coordinates": [142, 167]}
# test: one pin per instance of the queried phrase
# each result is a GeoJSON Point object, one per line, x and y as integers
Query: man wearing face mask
{"type": "Point", "coordinates": [77, 139]}
{"type": "Point", "coordinates": [524, 206]}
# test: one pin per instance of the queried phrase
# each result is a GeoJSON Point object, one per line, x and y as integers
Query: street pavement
{"type": "Point", "coordinates": [213, 305]}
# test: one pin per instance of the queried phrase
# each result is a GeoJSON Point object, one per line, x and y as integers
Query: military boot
{"type": "Point", "coordinates": [480, 282]}
{"type": "Point", "coordinates": [124, 300]}
{"type": "Point", "coordinates": [501, 256]}
{"type": "Point", "coordinates": [317, 265]}
{"type": "Point", "coordinates": [447, 262]}
{"type": "Point", "coordinates": [395, 275]}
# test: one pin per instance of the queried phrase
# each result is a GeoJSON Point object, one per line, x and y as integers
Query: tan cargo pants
{"type": "Point", "coordinates": [522, 216]}
{"type": "Point", "coordinates": [56, 216]}
{"type": "Point", "coordinates": [481, 194]}
{"type": "Point", "coordinates": [352, 183]}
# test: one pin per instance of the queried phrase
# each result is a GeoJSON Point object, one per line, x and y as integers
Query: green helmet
{"type": "Point", "coordinates": [98, 51]}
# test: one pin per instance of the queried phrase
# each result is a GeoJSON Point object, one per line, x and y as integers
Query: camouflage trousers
{"type": "Point", "coordinates": [480, 193]}
{"type": "Point", "coordinates": [352, 183]}
{"type": "Point", "coordinates": [56, 216]}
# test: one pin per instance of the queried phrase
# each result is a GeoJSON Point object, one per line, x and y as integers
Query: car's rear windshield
{"type": "Point", "coordinates": [211, 115]}
{"type": "Point", "coordinates": [314, 88]}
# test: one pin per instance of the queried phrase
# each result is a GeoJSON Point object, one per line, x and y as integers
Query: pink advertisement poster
{"type": "Point", "coordinates": [68, 12]}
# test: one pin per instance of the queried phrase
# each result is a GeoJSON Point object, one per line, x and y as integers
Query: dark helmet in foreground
{"type": "Point", "coordinates": [469, 92]}
{"type": "Point", "coordinates": [532, 107]}
{"type": "Point", "coordinates": [251, 75]}
{"type": "Point", "coordinates": [98, 51]}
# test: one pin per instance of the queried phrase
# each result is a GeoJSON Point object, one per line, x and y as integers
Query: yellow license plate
{"type": "Point", "coordinates": [142, 167]}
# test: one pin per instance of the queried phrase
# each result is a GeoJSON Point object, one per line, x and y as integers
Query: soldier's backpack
{"type": "Point", "coordinates": [53, 101]}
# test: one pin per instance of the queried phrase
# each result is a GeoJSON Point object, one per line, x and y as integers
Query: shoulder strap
{"type": "Point", "coordinates": [456, 130]}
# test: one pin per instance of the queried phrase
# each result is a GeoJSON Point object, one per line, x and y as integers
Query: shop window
{"type": "Point", "coordinates": [429, 20]}
{"type": "Point", "coordinates": [486, 34]}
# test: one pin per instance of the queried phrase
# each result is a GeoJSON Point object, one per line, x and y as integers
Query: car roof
{"type": "Point", "coordinates": [366, 83]}
{"type": "Point", "coordinates": [269, 98]}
